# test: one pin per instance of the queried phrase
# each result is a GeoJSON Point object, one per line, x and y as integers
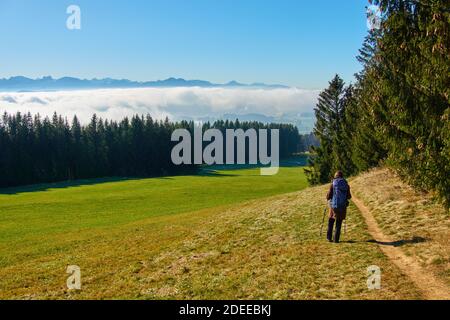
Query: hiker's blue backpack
{"type": "Point", "coordinates": [340, 192]}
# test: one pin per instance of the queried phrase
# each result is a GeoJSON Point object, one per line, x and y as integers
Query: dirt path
{"type": "Point", "coordinates": [431, 287]}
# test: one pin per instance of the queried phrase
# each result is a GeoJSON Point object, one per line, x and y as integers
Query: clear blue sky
{"type": "Point", "coordinates": [295, 42]}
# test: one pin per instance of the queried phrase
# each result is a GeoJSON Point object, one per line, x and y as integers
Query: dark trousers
{"type": "Point", "coordinates": [337, 233]}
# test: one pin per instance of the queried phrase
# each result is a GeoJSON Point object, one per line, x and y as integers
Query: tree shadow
{"type": "Point", "coordinates": [350, 241]}
{"type": "Point", "coordinates": [397, 243]}
{"type": "Point", "coordinates": [290, 162]}
{"type": "Point", "coordinates": [68, 184]}
{"type": "Point", "coordinates": [214, 173]}
{"type": "Point", "coordinates": [218, 171]}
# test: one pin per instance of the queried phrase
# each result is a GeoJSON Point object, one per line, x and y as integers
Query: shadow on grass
{"type": "Point", "coordinates": [298, 161]}
{"type": "Point", "coordinates": [207, 171]}
{"type": "Point", "coordinates": [203, 172]}
{"type": "Point", "coordinates": [68, 184]}
{"type": "Point", "coordinates": [214, 173]}
{"type": "Point", "coordinates": [397, 243]}
{"type": "Point", "coordinates": [219, 170]}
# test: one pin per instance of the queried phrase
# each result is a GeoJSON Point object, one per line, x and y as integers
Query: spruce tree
{"type": "Point", "coordinates": [329, 111]}
{"type": "Point", "coordinates": [411, 93]}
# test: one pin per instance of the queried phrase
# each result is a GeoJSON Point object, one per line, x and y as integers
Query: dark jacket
{"type": "Point", "coordinates": [340, 214]}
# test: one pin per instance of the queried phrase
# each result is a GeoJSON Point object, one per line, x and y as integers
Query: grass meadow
{"type": "Point", "coordinates": [222, 235]}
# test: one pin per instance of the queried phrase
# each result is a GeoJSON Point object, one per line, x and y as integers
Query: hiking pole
{"type": "Point", "coordinates": [323, 220]}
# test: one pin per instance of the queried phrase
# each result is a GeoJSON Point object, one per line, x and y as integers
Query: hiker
{"type": "Point", "coordinates": [338, 197]}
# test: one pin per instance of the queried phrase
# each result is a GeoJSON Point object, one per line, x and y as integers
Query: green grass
{"type": "Point", "coordinates": [234, 234]}
{"type": "Point", "coordinates": [25, 215]}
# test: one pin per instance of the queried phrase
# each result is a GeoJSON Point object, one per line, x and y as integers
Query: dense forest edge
{"type": "Point", "coordinates": [398, 112]}
{"type": "Point", "coordinates": [41, 150]}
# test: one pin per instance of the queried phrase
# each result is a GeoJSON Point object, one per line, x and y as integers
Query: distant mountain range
{"type": "Point", "coordinates": [20, 83]}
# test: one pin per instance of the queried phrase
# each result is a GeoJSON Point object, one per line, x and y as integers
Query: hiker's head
{"type": "Point", "coordinates": [338, 174]}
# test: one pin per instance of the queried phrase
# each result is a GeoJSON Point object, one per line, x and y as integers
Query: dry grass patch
{"type": "Point", "coordinates": [262, 249]}
{"type": "Point", "coordinates": [420, 226]}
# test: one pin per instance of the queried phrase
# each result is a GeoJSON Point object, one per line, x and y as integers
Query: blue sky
{"type": "Point", "coordinates": [300, 42]}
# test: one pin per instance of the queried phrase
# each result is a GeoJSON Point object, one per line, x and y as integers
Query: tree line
{"type": "Point", "coordinates": [39, 150]}
{"type": "Point", "coordinates": [398, 111]}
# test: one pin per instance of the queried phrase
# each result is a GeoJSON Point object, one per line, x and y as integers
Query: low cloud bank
{"type": "Point", "coordinates": [175, 103]}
